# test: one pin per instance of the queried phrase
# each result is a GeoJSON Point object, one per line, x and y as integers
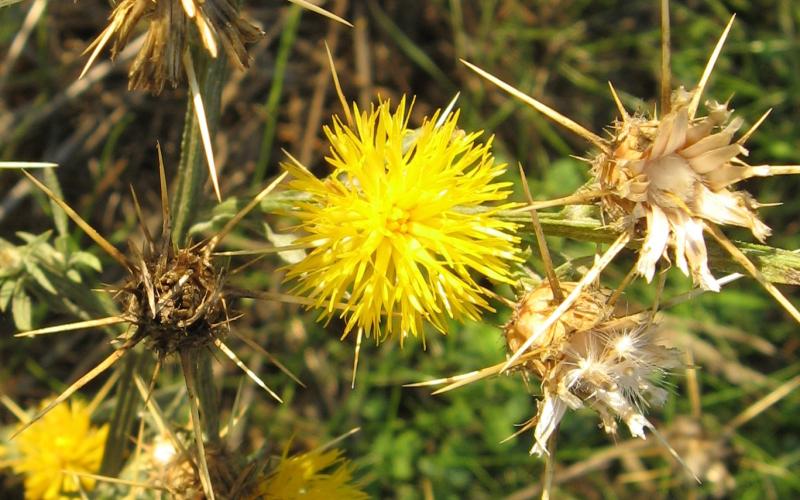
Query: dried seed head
{"type": "Point", "coordinates": [177, 301]}
{"type": "Point", "coordinates": [229, 474]}
{"type": "Point", "coordinates": [670, 176]}
{"type": "Point", "coordinates": [537, 305]}
{"type": "Point", "coordinates": [158, 62]}
{"type": "Point", "coordinates": [590, 357]}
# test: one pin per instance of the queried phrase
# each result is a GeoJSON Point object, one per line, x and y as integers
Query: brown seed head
{"type": "Point", "coordinates": [158, 62]}
{"type": "Point", "coordinates": [187, 294]}
{"type": "Point", "coordinates": [589, 357]}
{"type": "Point", "coordinates": [534, 308]}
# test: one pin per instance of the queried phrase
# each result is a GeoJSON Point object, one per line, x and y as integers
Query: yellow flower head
{"type": "Point", "coordinates": [63, 440]}
{"type": "Point", "coordinates": [301, 477]}
{"type": "Point", "coordinates": [399, 227]}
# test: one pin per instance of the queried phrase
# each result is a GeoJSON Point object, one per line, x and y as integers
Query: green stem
{"type": "Point", "coordinates": [207, 396]}
{"type": "Point", "coordinates": [778, 265]}
{"type": "Point", "coordinates": [126, 406]}
{"type": "Point", "coordinates": [192, 172]}
{"type": "Point", "coordinates": [192, 169]}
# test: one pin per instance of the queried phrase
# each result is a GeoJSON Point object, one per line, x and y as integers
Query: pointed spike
{"type": "Point", "coordinates": [98, 45]}
{"type": "Point", "coordinates": [544, 252]}
{"type": "Point", "coordinates": [633, 273]}
{"type": "Point", "coordinates": [197, 425]}
{"type": "Point", "coordinates": [761, 405]}
{"type": "Point", "coordinates": [114, 480]}
{"type": "Point", "coordinates": [698, 91]}
{"type": "Point", "coordinates": [90, 375]}
{"type": "Point", "coordinates": [138, 257]}
{"type": "Point", "coordinates": [662, 280]}
{"type": "Point", "coordinates": [265, 250]}
{"type": "Point", "coordinates": [768, 170]}
{"type": "Point", "coordinates": [189, 8]}
{"type": "Point", "coordinates": [14, 408]}
{"type": "Point", "coordinates": [549, 112]}
{"type": "Point", "coordinates": [78, 220]}
{"type": "Point", "coordinates": [103, 392]}
{"type": "Point", "coordinates": [250, 373]}
{"type": "Point", "coordinates": [151, 387]}
{"type": "Point", "coordinates": [744, 138]}
{"type": "Point", "coordinates": [202, 121]}
{"type": "Point", "coordinates": [620, 107]}
{"type": "Point", "coordinates": [742, 259]}
{"type": "Point", "coordinates": [272, 359]}
{"type": "Point", "coordinates": [661, 439]}
{"type": "Point", "coordinates": [163, 425]}
{"type": "Point", "coordinates": [588, 278]}
{"type": "Point", "coordinates": [447, 111]}
{"type": "Point", "coordinates": [166, 218]}
{"type": "Point", "coordinates": [696, 292]}
{"type": "Point", "coordinates": [319, 10]}
{"type": "Point", "coordinates": [217, 238]}
{"type": "Point", "coordinates": [338, 87]}
{"type": "Point", "coordinates": [355, 359]}
{"type": "Point", "coordinates": [338, 439]}
{"type": "Point", "coordinates": [139, 216]}
{"type": "Point", "coordinates": [15, 165]}
{"type": "Point", "coordinates": [282, 297]}
{"type": "Point", "coordinates": [80, 325]}
{"type": "Point", "coordinates": [574, 199]}
{"type": "Point", "coordinates": [666, 54]}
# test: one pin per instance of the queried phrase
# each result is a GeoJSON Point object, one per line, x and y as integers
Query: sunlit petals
{"type": "Point", "coordinates": [400, 227]}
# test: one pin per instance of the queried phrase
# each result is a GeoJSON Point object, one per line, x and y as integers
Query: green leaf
{"type": "Point", "coordinates": [87, 260]}
{"type": "Point", "coordinates": [6, 291]}
{"type": "Point", "coordinates": [21, 308]}
{"type": "Point", "coordinates": [59, 216]}
{"type": "Point", "coordinates": [38, 275]}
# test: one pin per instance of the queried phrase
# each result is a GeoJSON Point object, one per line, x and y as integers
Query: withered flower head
{"type": "Point", "coordinates": [589, 357]}
{"type": "Point", "coordinates": [175, 298]}
{"type": "Point", "coordinates": [229, 473]}
{"type": "Point", "coordinates": [675, 173]}
{"type": "Point", "coordinates": [173, 301]}
{"type": "Point", "coordinates": [159, 61]}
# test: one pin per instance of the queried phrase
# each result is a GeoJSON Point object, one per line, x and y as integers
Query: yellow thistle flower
{"type": "Point", "coordinates": [63, 441]}
{"type": "Point", "coordinates": [302, 477]}
{"type": "Point", "coordinates": [399, 226]}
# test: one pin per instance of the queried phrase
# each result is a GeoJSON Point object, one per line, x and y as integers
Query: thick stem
{"type": "Point", "coordinates": [125, 409]}
{"type": "Point", "coordinates": [207, 396]}
{"type": "Point", "coordinates": [192, 167]}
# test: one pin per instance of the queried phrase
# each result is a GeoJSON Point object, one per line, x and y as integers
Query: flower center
{"type": "Point", "coordinates": [397, 220]}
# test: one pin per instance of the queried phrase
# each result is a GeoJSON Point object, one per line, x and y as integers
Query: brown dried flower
{"type": "Point", "coordinates": [159, 61]}
{"type": "Point", "coordinates": [675, 173]}
{"type": "Point", "coordinates": [589, 357]}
